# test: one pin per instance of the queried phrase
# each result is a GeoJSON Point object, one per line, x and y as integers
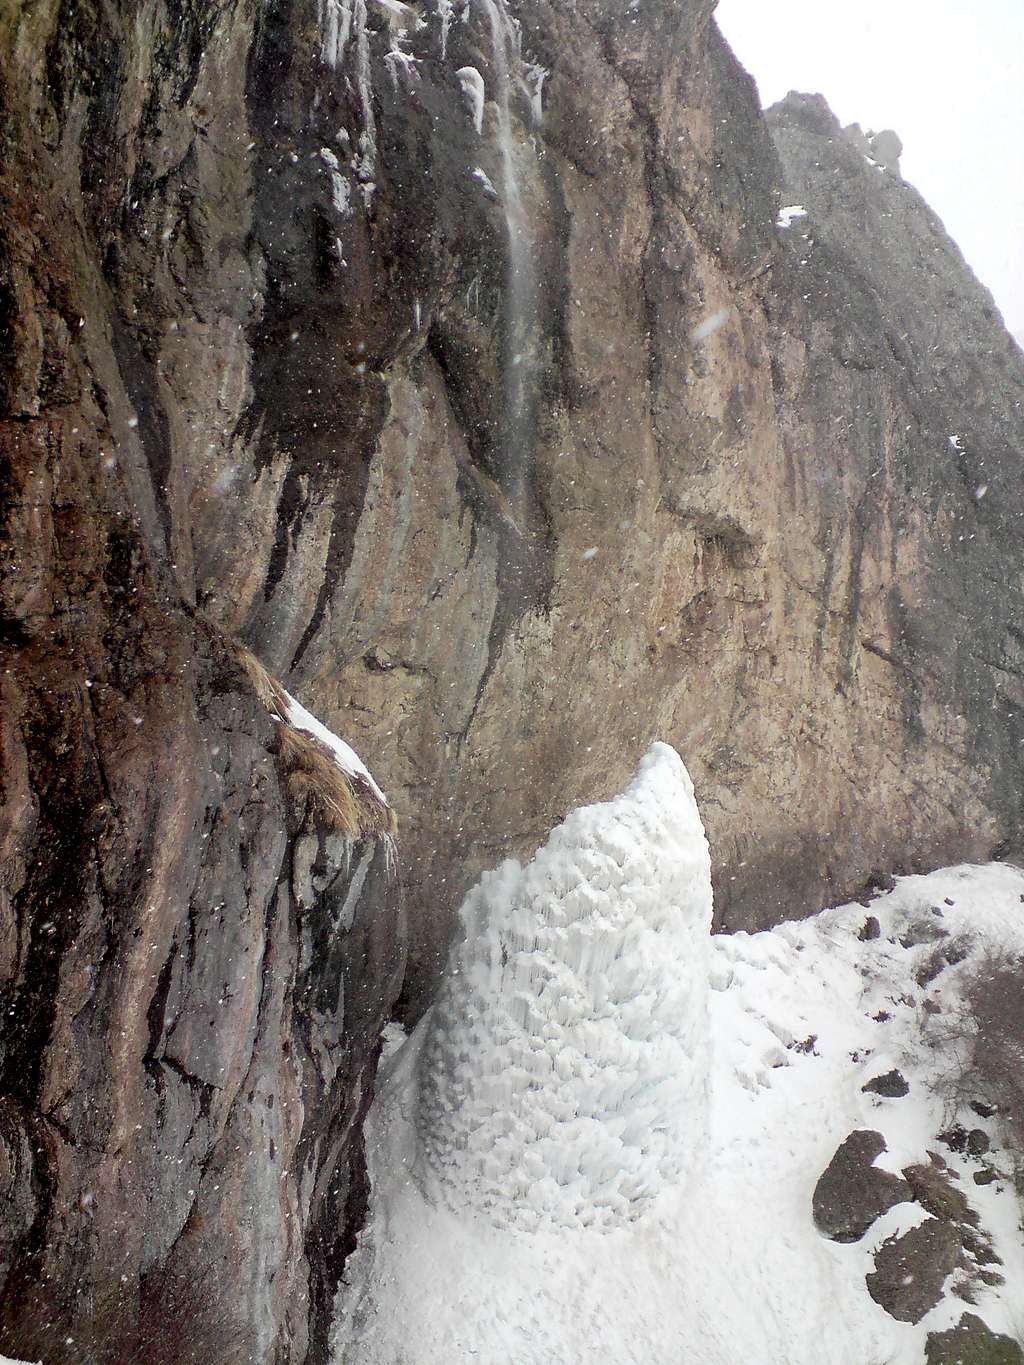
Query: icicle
{"type": "Point", "coordinates": [535, 76]}
{"type": "Point", "coordinates": [445, 9]}
{"type": "Point", "coordinates": [473, 89]}
{"type": "Point", "coordinates": [335, 26]}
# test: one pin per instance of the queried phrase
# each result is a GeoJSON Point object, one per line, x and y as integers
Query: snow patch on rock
{"type": "Point", "coordinates": [789, 214]}
{"type": "Point", "coordinates": [296, 715]}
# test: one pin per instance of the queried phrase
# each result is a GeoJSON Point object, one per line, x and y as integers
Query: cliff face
{"type": "Point", "coordinates": [510, 450]}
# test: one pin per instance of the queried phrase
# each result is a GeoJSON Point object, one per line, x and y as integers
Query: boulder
{"type": "Point", "coordinates": [852, 1192]}
{"type": "Point", "coordinates": [911, 1270]}
{"type": "Point", "coordinates": [972, 1342]}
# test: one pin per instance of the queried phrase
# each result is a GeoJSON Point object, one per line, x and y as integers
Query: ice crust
{"type": "Point", "coordinates": [562, 1077]}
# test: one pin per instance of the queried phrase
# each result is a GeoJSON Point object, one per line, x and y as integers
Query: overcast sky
{"type": "Point", "coordinates": [948, 75]}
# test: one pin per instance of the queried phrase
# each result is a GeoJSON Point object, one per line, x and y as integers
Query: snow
{"type": "Point", "coordinates": [346, 757]}
{"type": "Point", "coordinates": [479, 174]}
{"type": "Point", "coordinates": [789, 213]}
{"type": "Point", "coordinates": [603, 1140]}
{"type": "Point", "coordinates": [472, 84]}
{"type": "Point", "coordinates": [403, 16]}
{"type": "Point", "coordinates": [709, 326]}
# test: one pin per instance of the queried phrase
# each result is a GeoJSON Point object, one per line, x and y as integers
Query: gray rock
{"type": "Point", "coordinates": [978, 1142]}
{"type": "Point", "coordinates": [852, 1192]}
{"type": "Point", "coordinates": [971, 1342]}
{"type": "Point", "coordinates": [910, 1271]}
{"type": "Point", "coordinates": [892, 1085]}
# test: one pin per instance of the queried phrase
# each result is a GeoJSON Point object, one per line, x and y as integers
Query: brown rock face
{"type": "Point", "coordinates": [193, 968]}
{"type": "Point", "coordinates": [258, 318]}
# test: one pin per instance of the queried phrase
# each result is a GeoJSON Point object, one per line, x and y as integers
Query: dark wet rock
{"type": "Point", "coordinates": [870, 929]}
{"type": "Point", "coordinates": [191, 1021]}
{"type": "Point", "coordinates": [934, 1190]}
{"type": "Point", "coordinates": [971, 1342]}
{"type": "Point", "coordinates": [921, 931]}
{"type": "Point", "coordinates": [911, 1270]}
{"type": "Point", "coordinates": [876, 884]}
{"type": "Point", "coordinates": [978, 1142]}
{"type": "Point", "coordinates": [892, 1085]}
{"type": "Point", "coordinates": [852, 1192]}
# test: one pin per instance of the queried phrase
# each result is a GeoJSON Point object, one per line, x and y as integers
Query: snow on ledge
{"type": "Point", "coordinates": [563, 1067]}
{"type": "Point", "coordinates": [320, 765]}
{"type": "Point", "coordinates": [296, 715]}
{"type": "Point", "coordinates": [788, 215]}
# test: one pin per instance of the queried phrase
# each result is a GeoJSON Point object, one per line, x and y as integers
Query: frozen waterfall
{"type": "Point", "coordinates": [521, 284]}
{"type": "Point", "coordinates": [562, 1073]}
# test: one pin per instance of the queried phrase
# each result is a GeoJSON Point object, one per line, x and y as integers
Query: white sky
{"type": "Point", "coordinates": [948, 75]}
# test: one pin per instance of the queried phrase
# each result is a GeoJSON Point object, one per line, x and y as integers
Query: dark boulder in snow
{"type": "Point", "coordinates": [892, 1085]}
{"type": "Point", "coordinates": [972, 1342]}
{"type": "Point", "coordinates": [852, 1192]}
{"type": "Point", "coordinates": [911, 1271]}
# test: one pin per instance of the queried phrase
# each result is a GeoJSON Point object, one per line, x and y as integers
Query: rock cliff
{"type": "Point", "coordinates": [511, 433]}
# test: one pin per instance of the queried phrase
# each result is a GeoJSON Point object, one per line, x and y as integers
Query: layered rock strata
{"type": "Point", "coordinates": [752, 489]}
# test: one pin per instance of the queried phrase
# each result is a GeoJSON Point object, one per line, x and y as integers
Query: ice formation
{"type": "Point", "coordinates": [727, 1266]}
{"type": "Point", "coordinates": [340, 194]}
{"type": "Point", "coordinates": [521, 291]}
{"type": "Point", "coordinates": [563, 1069]}
{"type": "Point", "coordinates": [472, 84]}
{"type": "Point", "coordinates": [346, 38]}
{"type": "Point", "coordinates": [335, 26]}
{"type": "Point", "coordinates": [789, 214]}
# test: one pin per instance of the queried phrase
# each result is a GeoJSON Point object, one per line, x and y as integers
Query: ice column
{"type": "Point", "coordinates": [563, 1072]}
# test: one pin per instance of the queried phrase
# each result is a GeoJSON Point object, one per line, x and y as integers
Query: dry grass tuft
{"type": "Point", "coordinates": [268, 689]}
{"type": "Point", "coordinates": [334, 798]}
{"type": "Point", "coordinates": [339, 800]}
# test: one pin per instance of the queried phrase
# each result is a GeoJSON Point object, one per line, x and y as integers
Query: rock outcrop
{"type": "Point", "coordinates": [852, 1191]}
{"type": "Point", "coordinates": [509, 445]}
{"type": "Point", "coordinates": [196, 965]}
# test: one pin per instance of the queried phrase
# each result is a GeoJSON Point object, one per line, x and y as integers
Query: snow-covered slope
{"type": "Point", "coordinates": [570, 1036]}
